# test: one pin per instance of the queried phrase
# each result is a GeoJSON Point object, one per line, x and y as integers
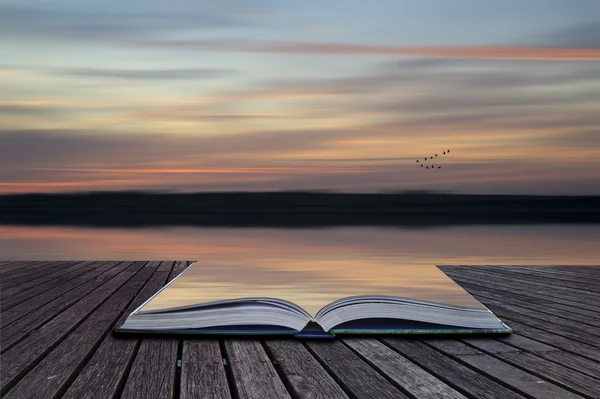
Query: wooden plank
{"type": "Point", "coordinates": [202, 371]}
{"type": "Point", "coordinates": [574, 362]}
{"type": "Point", "coordinates": [581, 383]}
{"type": "Point", "coordinates": [405, 374]}
{"type": "Point", "coordinates": [33, 282]}
{"type": "Point", "coordinates": [106, 372]}
{"type": "Point", "coordinates": [19, 321]}
{"type": "Point", "coordinates": [455, 374]}
{"type": "Point", "coordinates": [519, 379]}
{"type": "Point", "coordinates": [558, 341]}
{"type": "Point", "coordinates": [24, 355]}
{"type": "Point", "coordinates": [522, 276]}
{"type": "Point", "coordinates": [588, 280]}
{"type": "Point", "coordinates": [452, 347]}
{"type": "Point", "coordinates": [37, 272]}
{"type": "Point", "coordinates": [524, 343]}
{"type": "Point", "coordinates": [253, 373]}
{"type": "Point", "coordinates": [33, 269]}
{"type": "Point", "coordinates": [351, 372]}
{"type": "Point", "coordinates": [550, 319]}
{"type": "Point", "coordinates": [43, 284]}
{"type": "Point", "coordinates": [49, 377]}
{"type": "Point", "coordinates": [513, 281]}
{"type": "Point", "coordinates": [533, 304]}
{"type": "Point", "coordinates": [578, 334]}
{"type": "Point", "coordinates": [552, 290]}
{"type": "Point", "coordinates": [527, 297]}
{"type": "Point", "coordinates": [490, 345]}
{"type": "Point", "coordinates": [301, 372]}
{"type": "Point", "coordinates": [153, 373]}
{"type": "Point", "coordinates": [162, 381]}
{"type": "Point", "coordinates": [548, 295]}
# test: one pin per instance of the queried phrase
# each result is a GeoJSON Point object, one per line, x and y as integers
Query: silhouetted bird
{"type": "Point", "coordinates": [439, 167]}
{"type": "Point", "coordinates": [448, 151]}
{"type": "Point", "coordinates": [426, 158]}
{"type": "Point", "coordinates": [436, 155]}
{"type": "Point", "coordinates": [421, 165]}
{"type": "Point", "coordinates": [444, 152]}
{"type": "Point", "coordinates": [417, 161]}
{"type": "Point", "coordinates": [426, 167]}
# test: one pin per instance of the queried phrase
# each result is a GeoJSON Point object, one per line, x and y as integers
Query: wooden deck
{"type": "Point", "coordinates": [56, 342]}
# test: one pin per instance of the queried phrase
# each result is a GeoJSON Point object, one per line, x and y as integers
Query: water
{"type": "Point", "coordinates": [307, 248]}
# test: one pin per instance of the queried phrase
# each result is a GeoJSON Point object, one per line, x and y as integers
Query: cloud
{"type": "Point", "coordinates": [98, 20]}
{"type": "Point", "coordinates": [156, 74]}
{"type": "Point", "coordinates": [582, 35]}
{"type": "Point", "coordinates": [344, 49]}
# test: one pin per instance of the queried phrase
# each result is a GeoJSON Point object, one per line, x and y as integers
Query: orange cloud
{"type": "Point", "coordinates": [460, 52]}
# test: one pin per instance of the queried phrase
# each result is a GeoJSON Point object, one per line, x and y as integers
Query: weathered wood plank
{"type": "Point", "coordinates": [543, 288]}
{"type": "Point", "coordinates": [490, 345]}
{"type": "Point", "coordinates": [547, 295]}
{"type": "Point", "coordinates": [452, 347]}
{"type": "Point", "coordinates": [455, 374]}
{"type": "Point", "coordinates": [524, 275]}
{"type": "Point", "coordinates": [578, 333]}
{"type": "Point", "coordinates": [581, 383]}
{"type": "Point", "coordinates": [353, 373]}
{"type": "Point", "coordinates": [105, 373]}
{"type": "Point", "coordinates": [32, 282]}
{"type": "Point", "coordinates": [202, 371]}
{"type": "Point", "coordinates": [24, 355]}
{"type": "Point", "coordinates": [573, 361]}
{"type": "Point", "coordinates": [524, 343]}
{"type": "Point", "coordinates": [155, 362]}
{"type": "Point", "coordinates": [51, 375]}
{"type": "Point", "coordinates": [526, 297]}
{"type": "Point", "coordinates": [521, 380]}
{"type": "Point", "coordinates": [302, 372]}
{"type": "Point", "coordinates": [517, 378]}
{"type": "Point", "coordinates": [558, 341]}
{"type": "Point", "coordinates": [33, 270]}
{"type": "Point", "coordinates": [19, 321]}
{"type": "Point", "coordinates": [406, 374]}
{"type": "Point", "coordinates": [253, 373]}
{"type": "Point", "coordinates": [589, 282]}
{"type": "Point", "coordinates": [163, 380]}
{"type": "Point", "coordinates": [25, 292]}
{"type": "Point", "coordinates": [533, 304]}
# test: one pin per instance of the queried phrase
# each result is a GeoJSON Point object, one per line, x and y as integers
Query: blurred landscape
{"type": "Point", "coordinates": [292, 209]}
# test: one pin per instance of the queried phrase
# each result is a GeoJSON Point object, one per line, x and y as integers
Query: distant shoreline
{"type": "Point", "coordinates": [292, 209]}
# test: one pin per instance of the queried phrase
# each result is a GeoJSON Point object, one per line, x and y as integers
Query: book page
{"type": "Point", "coordinates": [309, 283]}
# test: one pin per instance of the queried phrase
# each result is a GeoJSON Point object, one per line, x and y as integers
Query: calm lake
{"type": "Point", "coordinates": [350, 246]}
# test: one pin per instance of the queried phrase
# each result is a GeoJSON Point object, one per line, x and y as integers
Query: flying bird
{"type": "Point", "coordinates": [417, 161]}
{"type": "Point", "coordinates": [426, 167]}
{"type": "Point", "coordinates": [439, 167]}
{"type": "Point", "coordinates": [448, 151]}
{"type": "Point", "coordinates": [444, 152]}
{"type": "Point", "coordinates": [436, 155]}
{"type": "Point", "coordinates": [421, 165]}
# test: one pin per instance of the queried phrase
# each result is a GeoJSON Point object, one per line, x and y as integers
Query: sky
{"type": "Point", "coordinates": [272, 95]}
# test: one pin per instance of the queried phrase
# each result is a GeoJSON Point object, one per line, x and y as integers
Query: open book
{"type": "Point", "coordinates": [198, 302]}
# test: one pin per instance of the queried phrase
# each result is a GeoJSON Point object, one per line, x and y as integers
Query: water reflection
{"type": "Point", "coordinates": [530, 244]}
{"type": "Point", "coordinates": [309, 283]}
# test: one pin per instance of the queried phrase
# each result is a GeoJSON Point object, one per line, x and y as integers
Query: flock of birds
{"type": "Point", "coordinates": [432, 166]}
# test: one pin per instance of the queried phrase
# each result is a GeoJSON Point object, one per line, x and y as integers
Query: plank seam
{"type": "Point", "coordinates": [228, 370]}
{"type": "Point", "coordinates": [279, 370]}
{"type": "Point", "coordinates": [338, 381]}
{"type": "Point", "coordinates": [42, 355]}
{"type": "Point", "coordinates": [562, 385]}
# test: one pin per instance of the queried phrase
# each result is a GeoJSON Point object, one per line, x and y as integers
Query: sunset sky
{"type": "Point", "coordinates": [274, 95]}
